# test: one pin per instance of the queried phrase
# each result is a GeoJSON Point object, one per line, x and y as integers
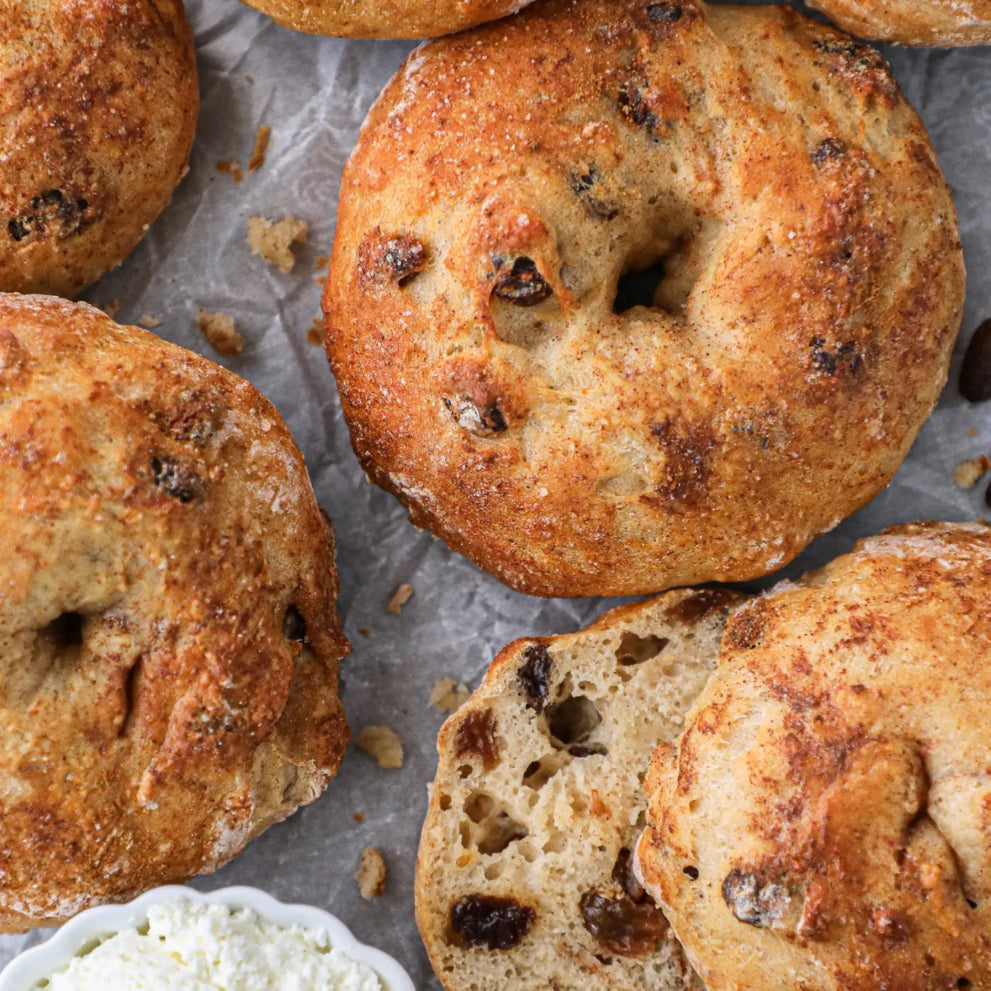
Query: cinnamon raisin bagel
{"type": "Point", "coordinates": [943, 23]}
{"type": "Point", "coordinates": [384, 18]}
{"type": "Point", "coordinates": [98, 103]}
{"type": "Point", "coordinates": [824, 820]}
{"type": "Point", "coordinates": [575, 433]}
{"type": "Point", "coordinates": [169, 642]}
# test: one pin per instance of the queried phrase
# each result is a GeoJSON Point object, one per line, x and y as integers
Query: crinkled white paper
{"type": "Point", "coordinates": [313, 93]}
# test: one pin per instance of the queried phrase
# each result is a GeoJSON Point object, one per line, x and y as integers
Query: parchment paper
{"type": "Point", "coordinates": [314, 93]}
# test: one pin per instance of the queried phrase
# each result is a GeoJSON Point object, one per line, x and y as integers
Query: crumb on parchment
{"type": "Point", "coordinates": [371, 873]}
{"type": "Point", "coordinates": [968, 473]}
{"type": "Point", "coordinates": [231, 168]}
{"type": "Point", "coordinates": [400, 597]}
{"type": "Point", "coordinates": [315, 334]}
{"type": "Point", "coordinates": [447, 695]}
{"type": "Point", "coordinates": [148, 321]}
{"type": "Point", "coordinates": [273, 242]}
{"type": "Point", "coordinates": [381, 743]}
{"type": "Point", "coordinates": [111, 307]}
{"type": "Point", "coordinates": [257, 159]}
{"type": "Point", "coordinates": [218, 329]}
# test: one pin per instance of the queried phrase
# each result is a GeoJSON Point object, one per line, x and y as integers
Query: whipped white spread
{"type": "Point", "coordinates": [189, 946]}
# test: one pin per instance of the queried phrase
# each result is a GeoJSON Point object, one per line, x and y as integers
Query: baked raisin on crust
{"type": "Point", "coordinates": [574, 432]}
{"type": "Point", "coordinates": [941, 23]}
{"type": "Point", "coordinates": [824, 821]}
{"type": "Point", "coordinates": [98, 102]}
{"type": "Point", "coordinates": [524, 875]}
{"type": "Point", "coordinates": [169, 642]}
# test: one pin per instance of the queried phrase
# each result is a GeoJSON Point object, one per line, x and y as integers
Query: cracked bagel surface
{"type": "Point", "coordinates": [169, 642]}
{"type": "Point", "coordinates": [570, 432]}
{"type": "Point", "coordinates": [823, 821]}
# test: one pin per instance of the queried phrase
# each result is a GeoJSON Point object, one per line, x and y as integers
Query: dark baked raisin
{"type": "Point", "coordinates": [828, 148]}
{"type": "Point", "coordinates": [587, 750]}
{"type": "Point", "coordinates": [746, 629]}
{"type": "Point", "coordinates": [583, 183]}
{"type": "Point", "coordinates": [176, 479]}
{"type": "Point", "coordinates": [623, 926]}
{"type": "Point", "coordinates": [691, 872]}
{"type": "Point", "coordinates": [622, 874]}
{"type": "Point", "coordinates": [19, 228]}
{"type": "Point", "coordinates": [700, 604]}
{"type": "Point", "coordinates": [293, 625]}
{"type": "Point", "coordinates": [404, 257]}
{"type": "Point", "coordinates": [845, 354]}
{"type": "Point", "coordinates": [477, 736]}
{"type": "Point", "coordinates": [521, 284]}
{"type": "Point", "coordinates": [752, 899]}
{"type": "Point", "coordinates": [478, 419]}
{"type": "Point", "coordinates": [975, 373]}
{"type": "Point", "coordinates": [491, 922]}
{"type": "Point", "coordinates": [665, 12]}
{"type": "Point", "coordinates": [632, 105]}
{"type": "Point", "coordinates": [533, 676]}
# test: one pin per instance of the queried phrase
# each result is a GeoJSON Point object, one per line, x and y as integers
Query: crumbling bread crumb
{"type": "Point", "coordinates": [968, 473]}
{"type": "Point", "coordinates": [273, 242]}
{"type": "Point", "coordinates": [359, 817]}
{"type": "Point", "coordinates": [146, 321]}
{"type": "Point", "coordinates": [322, 262]}
{"type": "Point", "coordinates": [402, 595]}
{"type": "Point", "coordinates": [371, 873]}
{"type": "Point", "coordinates": [257, 159]}
{"type": "Point", "coordinates": [381, 743]}
{"type": "Point", "coordinates": [218, 329]}
{"type": "Point", "coordinates": [231, 168]}
{"type": "Point", "coordinates": [448, 696]}
{"type": "Point", "coordinates": [315, 334]}
{"type": "Point", "coordinates": [111, 308]}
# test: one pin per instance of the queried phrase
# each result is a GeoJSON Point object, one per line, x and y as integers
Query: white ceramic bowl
{"type": "Point", "coordinates": [34, 965]}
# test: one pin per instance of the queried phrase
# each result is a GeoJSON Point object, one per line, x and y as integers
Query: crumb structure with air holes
{"type": "Point", "coordinates": [524, 873]}
{"type": "Point", "coordinates": [823, 821]}
{"type": "Point", "coordinates": [631, 295]}
{"type": "Point", "coordinates": [169, 642]}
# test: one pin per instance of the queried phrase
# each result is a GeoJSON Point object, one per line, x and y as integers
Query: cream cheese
{"type": "Point", "coordinates": [188, 946]}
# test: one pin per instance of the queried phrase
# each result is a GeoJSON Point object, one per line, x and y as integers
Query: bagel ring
{"type": "Point", "coordinates": [940, 23]}
{"type": "Point", "coordinates": [98, 102]}
{"type": "Point", "coordinates": [575, 442]}
{"type": "Point", "coordinates": [169, 642]}
{"type": "Point", "coordinates": [824, 820]}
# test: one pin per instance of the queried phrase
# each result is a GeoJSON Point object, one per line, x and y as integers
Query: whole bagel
{"type": "Point", "coordinates": [942, 23]}
{"type": "Point", "coordinates": [169, 643]}
{"type": "Point", "coordinates": [824, 820]}
{"type": "Point", "coordinates": [384, 18]}
{"type": "Point", "coordinates": [98, 102]}
{"type": "Point", "coordinates": [495, 377]}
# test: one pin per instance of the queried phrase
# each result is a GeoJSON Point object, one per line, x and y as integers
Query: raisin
{"type": "Point", "coordinates": [700, 604]}
{"type": "Point", "coordinates": [490, 921]}
{"type": "Point", "coordinates": [582, 184]}
{"type": "Point", "coordinates": [975, 373]}
{"type": "Point", "coordinates": [293, 625]}
{"type": "Point", "coordinates": [479, 420]}
{"type": "Point", "coordinates": [828, 148]}
{"type": "Point", "coordinates": [845, 352]}
{"type": "Point", "coordinates": [404, 257]}
{"type": "Point", "coordinates": [587, 750]}
{"type": "Point", "coordinates": [477, 735]}
{"type": "Point", "coordinates": [176, 479]}
{"type": "Point", "coordinates": [533, 675]}
{"type": "Point", "coordinates": [746, 629]}
{"type": "Point", "coordinates": [752, 899]}
{"type": "Point", "coordinates": [622, 874]}
{"type": "Point", "coordinates": [691, 872]}
{"type": "Point", "coordinates": [664, 12]}
{"type": "Point", "coordinates": [522, 284]}
{"type": "Point", "coordinates": [632, 105]}
{"type": "Point", "coordinates": [19, 228]}
{"type": "Point", "coordinates": [623, 926]}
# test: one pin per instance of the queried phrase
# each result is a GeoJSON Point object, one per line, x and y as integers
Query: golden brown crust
{"type": "Point", "coordinates": [941, 23]}
{"type": "Point", "coordinates": [169, 643]}
{"type": "Point", "coordinates": [384, 18]}
{"type": "Point", "coordinates": [502, 185]}
{"type": "Point", "coordinates": [98, 102]}
{"type": "Point", "coordinates": [823, 822]}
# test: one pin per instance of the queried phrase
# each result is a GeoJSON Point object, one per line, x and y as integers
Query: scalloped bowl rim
{"type": "Point", "coordinates": [41, 961]}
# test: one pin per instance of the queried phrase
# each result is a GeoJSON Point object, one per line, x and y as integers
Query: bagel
{"type": "Point", "coordinates": [384, 18]}
{"type": "Point", "coordinates": [504, 191]}
{"type": "Point", "coordinates": [942, 23]}
{"type": "Point", "coordinates": [169, 643]}
{"type": "Point", "coordinates": [98, 102]}
{"type": "Point", "coordinates": [823, 821]}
